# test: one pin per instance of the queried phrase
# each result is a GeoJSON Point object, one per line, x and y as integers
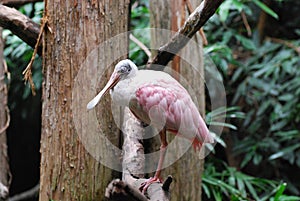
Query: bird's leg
{"type": "Point", "coordinates": [162, 153]}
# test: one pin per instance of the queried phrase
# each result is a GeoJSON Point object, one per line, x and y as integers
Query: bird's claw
{"type": "Point", "coordinates": [144, 186]}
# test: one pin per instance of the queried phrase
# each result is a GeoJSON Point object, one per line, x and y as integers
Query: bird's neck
{"type": "Point", "coordinates": [122, 92]}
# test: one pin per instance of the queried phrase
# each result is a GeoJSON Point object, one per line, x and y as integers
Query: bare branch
{"type": "Point", "coordinates": [20, 25]}
{"type": "Point", "coordinates": [133, 166]}
{"type": "Point", "coordinates": [141, 45]}
{"type": "Point", "coordinates": [27, 72]}
{"type": "Point", "coordinates": [194, 22]}
{"type": "Point", "coordinates": [17, 3]}
{"type": "Point", "coordinates": [246, 23]}
{"type": "Point", "coordinates": [286, 43]}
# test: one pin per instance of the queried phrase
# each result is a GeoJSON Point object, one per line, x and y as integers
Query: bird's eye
{"type": "Point", "coordinates": [125, 69]}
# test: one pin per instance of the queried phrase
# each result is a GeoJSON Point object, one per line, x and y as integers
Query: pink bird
{"type": "Point", "coordinates": [157, 99]}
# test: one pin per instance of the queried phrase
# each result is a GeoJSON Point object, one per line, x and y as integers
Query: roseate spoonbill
{"type": "Point", "coordinates": [156, 98]}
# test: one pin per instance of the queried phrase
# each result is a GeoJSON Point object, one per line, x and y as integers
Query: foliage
{"type": "Point", "coordinates": [17, 55]}
{"type": "Point", "coordinates": [221, 181]}
{"type": "Point", "coordinates": [139, 22]}
{"type": "Point", "coordinates": [263, 79]}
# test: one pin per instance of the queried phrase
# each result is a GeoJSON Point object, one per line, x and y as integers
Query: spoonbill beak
{"type": "Point", "coordinates": [114, 79]}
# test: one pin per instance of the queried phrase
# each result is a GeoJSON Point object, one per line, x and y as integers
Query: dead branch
{"type": "Point", "coordinates": [246, 23]}
{"type": "Point", "coordinates": [20, 25]}
{"type": "Point", "coordinates": [141, 45]}
{"type": "Point", "coordinates": [134, 158]}
{"type": "Point", "coordinates": [194, 22]}
{"type": "Point", "coordinates": [16, 3]}
{"type": "Point", "coordinates": [201, 31]}
{"type": "Point", "coordinates": [133, 167]}
{"type": "Point", "coordinates": [27, 72]}
{"type": "Point", "coordinates": [286, 43]}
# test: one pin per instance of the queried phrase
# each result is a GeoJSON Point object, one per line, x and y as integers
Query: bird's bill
{"type": "Point", "coordinates": [114, 79]}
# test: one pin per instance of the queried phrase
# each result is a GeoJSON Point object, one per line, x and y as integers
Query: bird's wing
{"type": "Point", "coordinates": [171, 108]}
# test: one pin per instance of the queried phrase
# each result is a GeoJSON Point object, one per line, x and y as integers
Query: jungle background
{"type": "Point", "coordinates": [256, 47]}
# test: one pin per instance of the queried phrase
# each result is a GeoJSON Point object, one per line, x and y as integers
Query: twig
{"type": "Point", "coordinates": [246, 23]}
{"type": "Point", "coordinates": [28, 70]}
{"type": "Point", "coordinates": [286, 43]}
{"type": "Point", "coordinates": [141, 45]}
{"type": "Point", "coordinates": [26, 194]}
{"type": "Point", "coordinates": [13, 3]}
{"type": "Point", "coordinates": [194, 22]}
{"type": "Point", "coordinates": [7, 121]}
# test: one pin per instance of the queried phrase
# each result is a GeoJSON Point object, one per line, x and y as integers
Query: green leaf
{"type": "Point", "coordinates": [224, 10]}
{"type": "Point", "coordinates": [280, 191]}
{"type": "Point", "coordinates": [206, 190]}
{"type": "Point", "coordinates": [248, 44]}
{"type": "Point", "coordinates": [286, 97]}
{"type": "Point", "coordinates": [233, 127]}
{"type": "Point", "coordinates": [284, 151]}
{"type": "Point", "coordinates": [252, 190]}
{"type": "Point", "coordinates": [265, 8]}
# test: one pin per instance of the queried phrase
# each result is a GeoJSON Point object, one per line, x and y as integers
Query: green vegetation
{"type": "Point", "coordinates": [261, 76]}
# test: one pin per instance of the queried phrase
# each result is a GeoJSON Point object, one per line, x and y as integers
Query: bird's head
{"type": "Point", "coordinates": [123, 70]}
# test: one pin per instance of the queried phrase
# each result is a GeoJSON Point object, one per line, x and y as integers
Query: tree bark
{"type": "Point", "coordinates": [188, 169]}
{"type": "Point", "coordinates": [68, 171]}
{"type": "Point", "coordinates": [4, 122]}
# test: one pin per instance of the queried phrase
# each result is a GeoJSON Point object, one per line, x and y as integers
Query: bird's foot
{"type": "Point", "coordinates": [144, 186]}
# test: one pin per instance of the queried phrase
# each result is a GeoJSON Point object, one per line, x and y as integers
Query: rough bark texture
{"type": "Point", "coordinates": [4, 167]}
{"type": "Point", "coordinates": [186, 171]}
{"type": "Point", "coordinates": [68, 171]}
{"type": "Point", "coordinates": [20, 25]}
{"type": "Point", "coordinates": [134, 158]}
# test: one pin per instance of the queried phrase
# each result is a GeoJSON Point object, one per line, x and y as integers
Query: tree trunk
{"type": "Point", "coordinates": [170, 14]}
{"type": "Point", "coordinates": [73, 43]}
{"type": "Point", "coordinates": [4, 122]}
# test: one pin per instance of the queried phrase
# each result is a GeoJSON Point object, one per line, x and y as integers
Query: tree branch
{"type": "Point", "coordinates": [133, 167]}
{"type": "Point", "coordinates": [16, 3]}
{"type": "Point", "coordinates": [194, 22]}
{"type": "Point", "coordinates": [141, 45]}
{"type": "Point", "coordinates": [20, 25]}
